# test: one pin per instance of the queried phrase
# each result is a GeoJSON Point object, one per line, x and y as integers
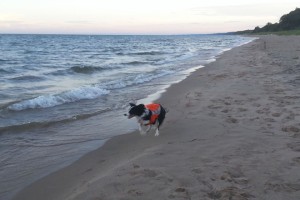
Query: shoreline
{"type": "Point", "coordinates": [85, 131]}
{"type": "Point", "coordinates": [185, 162]}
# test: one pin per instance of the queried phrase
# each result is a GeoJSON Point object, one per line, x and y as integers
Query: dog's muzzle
{"type": "Point", "coordinates": [129, 116]}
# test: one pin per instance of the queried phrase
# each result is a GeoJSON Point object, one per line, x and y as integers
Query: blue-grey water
{"type": "Point", "coordinates": [62, 96]}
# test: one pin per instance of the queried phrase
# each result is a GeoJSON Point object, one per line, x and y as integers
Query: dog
{"type": "Point", "coordinates": [147, 115]}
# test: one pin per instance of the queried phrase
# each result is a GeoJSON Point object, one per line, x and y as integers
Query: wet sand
{"type": "Point", "coordinates": [232, 132]}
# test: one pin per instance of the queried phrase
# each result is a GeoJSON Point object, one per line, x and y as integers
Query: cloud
{"type": "Point", "coordinates": [10, 20]}
{"type": "Point", "coordinates": [231, 22]}
{"type": "Point", "coordinates": [9, 23]}
{"type": "Point", "coordinates": [81, 22]}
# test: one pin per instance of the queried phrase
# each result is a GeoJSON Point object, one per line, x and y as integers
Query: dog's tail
{"type": "Point", "coordinates": [164, 108]}
{"type": "Point", "coordinates": [167, 110]}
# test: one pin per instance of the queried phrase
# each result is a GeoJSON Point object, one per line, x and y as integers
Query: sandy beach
{"type": "Point", "coordinates": [232, 132]}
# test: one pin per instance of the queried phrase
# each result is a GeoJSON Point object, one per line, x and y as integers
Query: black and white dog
{"type": "Point", "coordinates": [147, 115]}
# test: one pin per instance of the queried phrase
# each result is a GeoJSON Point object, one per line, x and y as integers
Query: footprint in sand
{"type": "Point", "coordinates": [180, 193]}
{"type": "Point", "coordinates": [282, 187]}
{"type": "Point", "coordinates": [256, 105]}
{"type": "Point", "coordinates": [135, 192]}
{"type": "Point", "coordinates": [231, 120]}
{"type": "Point", "coordinates": [230, 193]}
{"type": "Point", "coordinates": [145, 172]}
{"type": "Point", "coordinates": [214, 107]}
{"type": "Point", "coordinates": [235, 176]}
{"type": "Point", "coordinates": [276, 114]}
{"type": "Point", "coordinates": [135, 166]}
{"type": "Point", "coordinates": [295, 146]}
{"type": "Point", "coordinates": [197, 171]}
{"type": "Point", "coordinates": [263, 111]}
{"type": "Point", "coordinates": [297, 160]}
{"type": "Point", "coordinates": [237, 180]}
{"type": "Point", "coordinates": [242, 109]}
{"type": "Point", "coordinates": [269, 120]}
{"type": "Point", "coordinates": [149, 173]}
{"type": "Point", "coordinates": [225, 111]}
{"type": "Point", "coordinates": [180, 190]}
{"type": "Point", "coordinates": [293, 130]}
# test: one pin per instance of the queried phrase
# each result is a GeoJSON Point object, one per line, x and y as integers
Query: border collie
{"type": "Point", "coordinates": [147, 115]}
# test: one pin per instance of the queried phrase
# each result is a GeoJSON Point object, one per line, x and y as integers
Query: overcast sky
{"type": "Point", "coordinates": [139, 16]}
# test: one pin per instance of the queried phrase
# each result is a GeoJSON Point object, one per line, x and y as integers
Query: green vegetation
{"type": "Point", "coordinates": [289, 24]}
{"type": "Point", "coordinates": [290, 32]}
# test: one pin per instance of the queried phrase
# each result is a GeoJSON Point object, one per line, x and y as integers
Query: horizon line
{"type": "Point", "coordinates": [117, 34]}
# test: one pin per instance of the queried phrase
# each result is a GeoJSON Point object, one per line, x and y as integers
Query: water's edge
{"type": "Point", "coordinates": [129, 127]}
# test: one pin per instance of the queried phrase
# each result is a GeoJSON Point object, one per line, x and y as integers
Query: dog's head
{"type": "Point", "coordinates": [136, 110]}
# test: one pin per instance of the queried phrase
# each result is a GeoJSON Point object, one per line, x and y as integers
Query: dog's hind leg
{"type": "Point", "coordinates": [157, 132]}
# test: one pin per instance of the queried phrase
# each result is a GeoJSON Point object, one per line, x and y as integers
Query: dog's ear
{"type": "Point", "coordinates": [141, 106]}
{"type": "Point", "coordinates": [132, 104]}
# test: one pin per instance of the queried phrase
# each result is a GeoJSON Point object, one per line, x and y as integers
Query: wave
{"type": "Point", "coordinates": [86, 69]}
{"type": "Point", "coordinates": [43, 124]}
{"type": "Point", "coordinates": [76, 69]}
{"type": "Point", "coordinates": [86, 92]}
{"type": "Point", "coordinates": [7, 70]}
{"type": "Point", "coordinates": [136, 63]}
{"type": "Point", "coordinates": [143, 78]}
{"type": "Point", "coordinates": [147, 53]}
{"type": "Point", "coordinates": [46, 101]}
{"type": "Point", "coordinates": [3, 71]}
{"type": "Point", "coordinates": [135, 80]}
{"type": "Point", "coordinates": [27, 78]}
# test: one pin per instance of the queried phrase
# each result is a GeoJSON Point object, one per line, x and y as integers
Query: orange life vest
{"type": "Point", "coordinates": [155, 109]}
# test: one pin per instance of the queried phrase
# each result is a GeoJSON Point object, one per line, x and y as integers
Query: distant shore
{"type": "Point", "coordinates": [232, 132]}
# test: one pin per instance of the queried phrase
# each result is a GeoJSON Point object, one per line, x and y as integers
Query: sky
{"type": "Point", "coordinates": [139, 16]}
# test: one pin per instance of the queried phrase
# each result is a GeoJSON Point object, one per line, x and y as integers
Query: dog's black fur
{"type": "Point", "coordinates": [136, 110]}
{"type": "Point", "coordinates": [141, 112]}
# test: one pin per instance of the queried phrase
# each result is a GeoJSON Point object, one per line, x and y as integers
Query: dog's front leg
{"type": "Point", "coordinates": [148, 129]}
{"type": "Point", "coordinates": [156, 128]}
{"type": "Point", "coordinates": [142, 132]}
{"type": "Point", "coordinates": [145, 123]}
{"type": "Point", "coordinates": [140, 122]}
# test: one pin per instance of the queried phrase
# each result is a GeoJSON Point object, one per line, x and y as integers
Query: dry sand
{"type": "Point", "coordinates": [232, 132]}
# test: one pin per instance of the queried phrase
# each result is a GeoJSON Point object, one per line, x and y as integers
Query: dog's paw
{"type": "Point", "coordinates": [142, 133]}
{"type": "Point", "coordinates": [157, 133]}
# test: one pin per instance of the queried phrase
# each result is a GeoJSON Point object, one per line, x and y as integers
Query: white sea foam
{"type": "Point", "coordinates": [86, 92]}
{"type": "Point", "coordinates": [142, 78]}
{"type": "Point", "coordinates": [46, 101]}
{"type": "Point", "coordinates": [135, 80]}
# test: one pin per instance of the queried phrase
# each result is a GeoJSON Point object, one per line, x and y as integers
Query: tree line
{"type": "Point", "coordinates": [290, 21]}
